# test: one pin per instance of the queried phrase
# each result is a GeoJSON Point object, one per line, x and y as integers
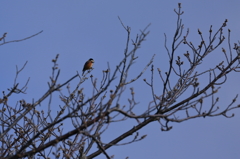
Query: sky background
{"type": "Point", "coordinates": [79, 30]}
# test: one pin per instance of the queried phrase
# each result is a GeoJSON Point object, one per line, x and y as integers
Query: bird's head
{"type": "Point", "coordinates": [91, 60]}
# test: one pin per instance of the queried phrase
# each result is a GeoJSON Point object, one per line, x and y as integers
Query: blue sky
{"type": "Point", "coordinates": [79, 30]}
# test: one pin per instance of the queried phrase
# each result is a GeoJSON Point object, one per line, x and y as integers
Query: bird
{"type": "Point", "coordinates": [88, 65]}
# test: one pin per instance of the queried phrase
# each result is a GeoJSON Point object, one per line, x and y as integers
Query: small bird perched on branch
{"type": "Point", "coordinates": [88, 65]}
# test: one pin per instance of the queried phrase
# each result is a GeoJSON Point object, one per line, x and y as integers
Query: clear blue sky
{"type": "Point", "coordinates": [79, 30]}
